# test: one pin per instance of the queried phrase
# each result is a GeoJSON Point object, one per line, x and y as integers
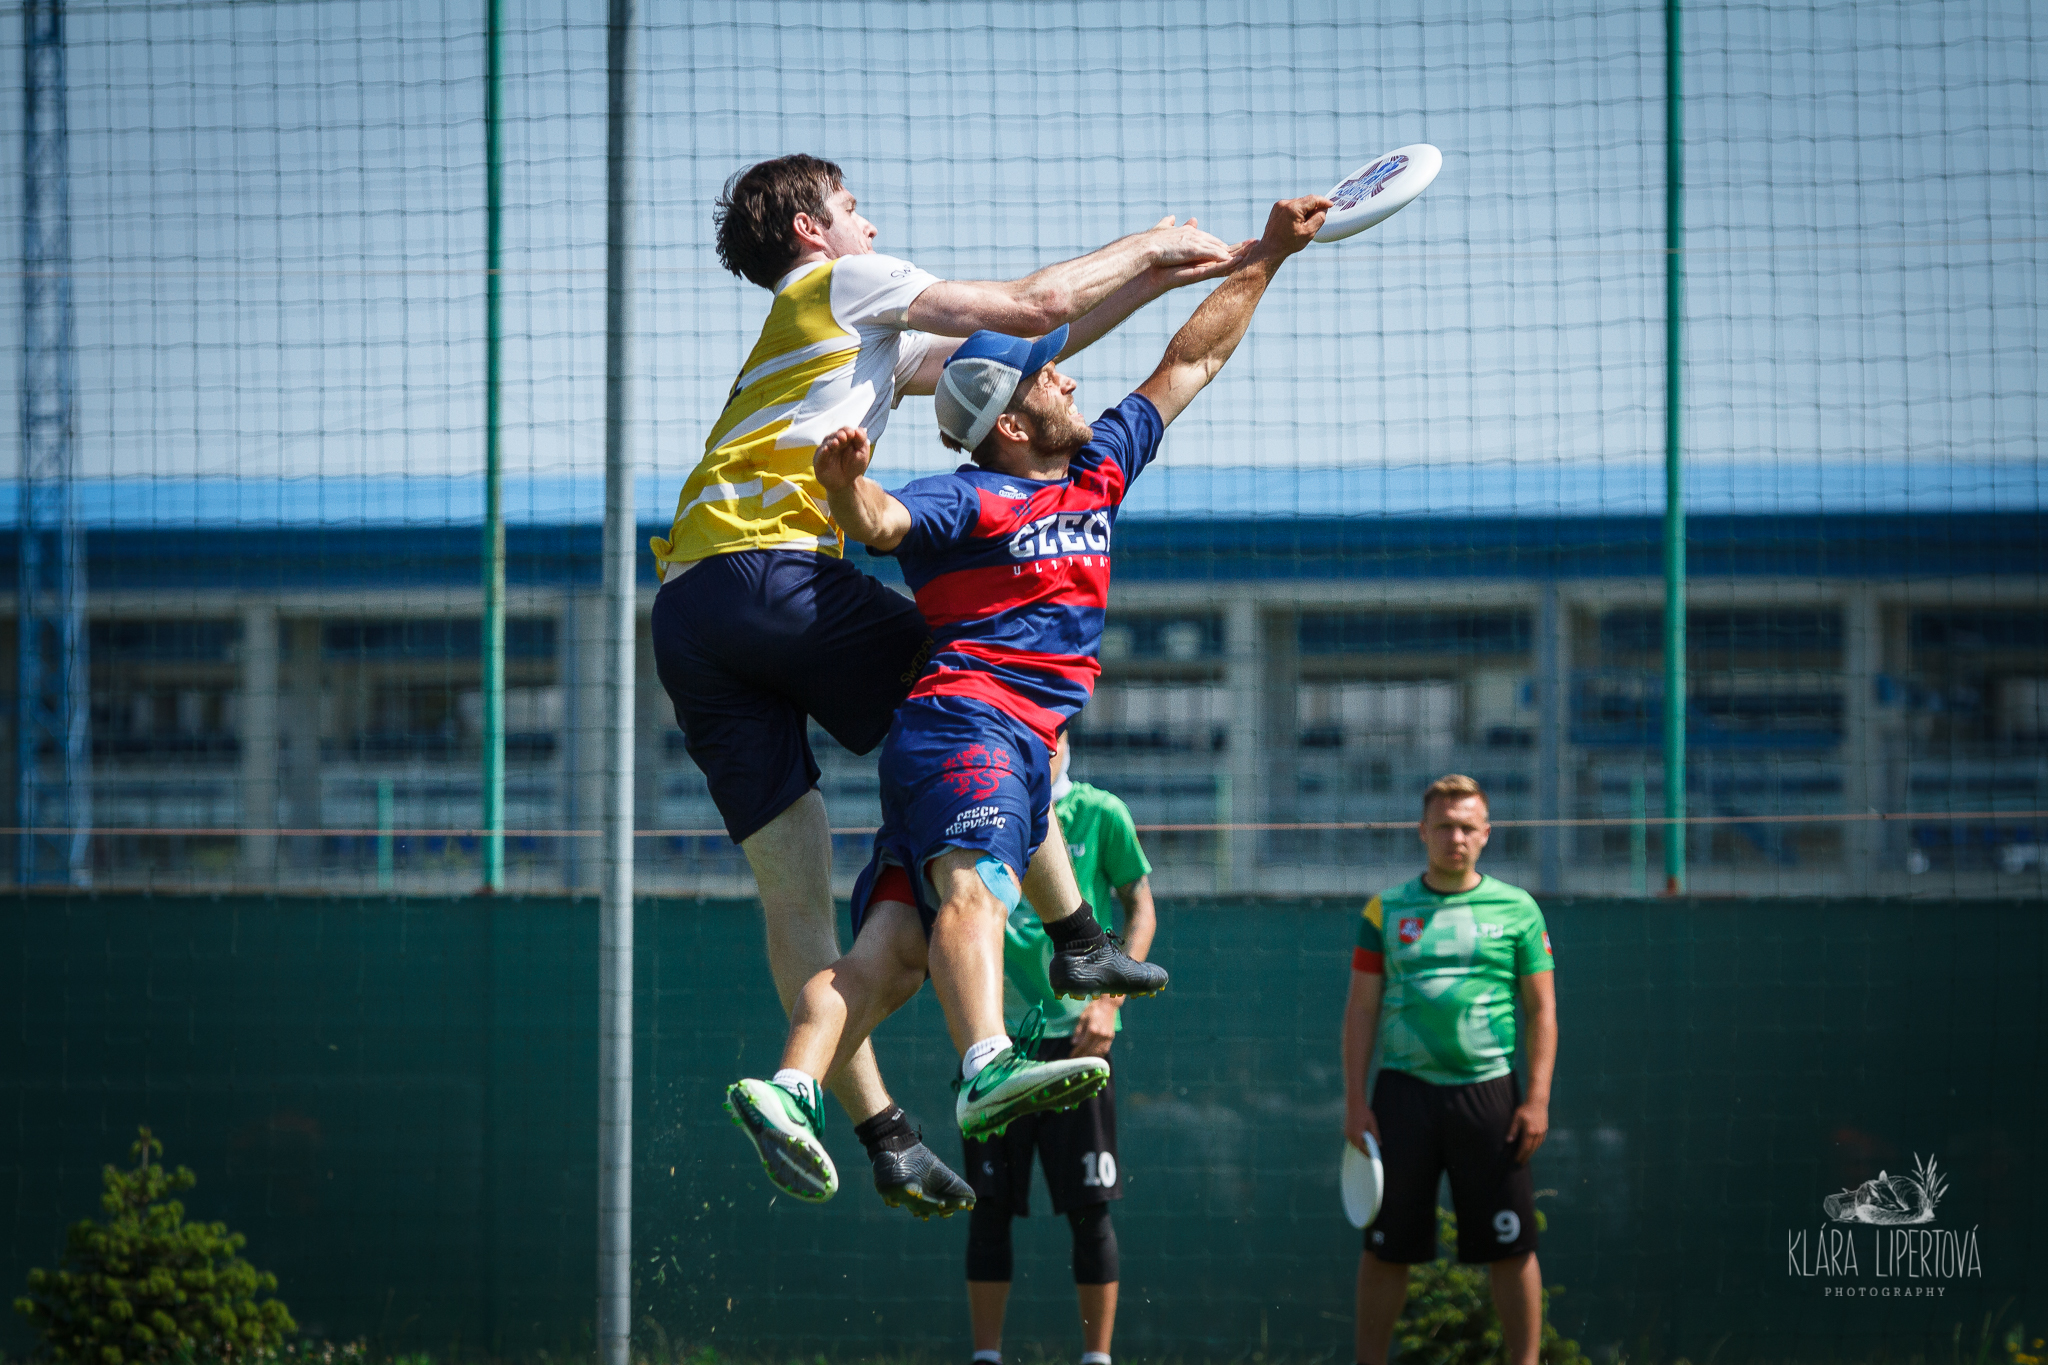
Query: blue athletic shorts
{"type": "Point", "coordinates": [956, 773]}
{"type": "Point", "coordinates": [750, 644]}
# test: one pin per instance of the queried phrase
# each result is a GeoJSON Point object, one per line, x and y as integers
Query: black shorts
{"type": "Point", "coordinates": [750, 644]}
{"type": "Point", "coordinates": [1426, 1130]}
{"type": "Point", "coordinates": [1077, 1147]}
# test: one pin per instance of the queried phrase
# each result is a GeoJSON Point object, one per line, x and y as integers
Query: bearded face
{"type": "Point", "coordinates": [1057, 426]}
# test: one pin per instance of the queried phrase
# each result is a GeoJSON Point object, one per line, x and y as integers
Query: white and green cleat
{"type": "Point", "coordinates": [788, 1134]}
{"type": "Point", "coordinates": [1013, 1086]}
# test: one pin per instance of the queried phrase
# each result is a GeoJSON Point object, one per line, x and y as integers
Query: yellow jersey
{"type": "Point", "coordinates": [835, 352]}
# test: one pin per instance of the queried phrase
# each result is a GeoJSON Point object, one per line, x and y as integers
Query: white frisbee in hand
{"type": "Point", "coordinates": [1379, 189]}
{"type": "Point", "coordinates": [1362, 1179]}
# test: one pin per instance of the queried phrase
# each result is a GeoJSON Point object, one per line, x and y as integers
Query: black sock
{"type": "Point", "coordinates": [1078, 932]}
{"type": "Point", "coordinates": [888, 1131]}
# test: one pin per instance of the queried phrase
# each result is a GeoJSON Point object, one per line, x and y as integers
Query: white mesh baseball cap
{"type": "Point", "coordinates": [980, 378]}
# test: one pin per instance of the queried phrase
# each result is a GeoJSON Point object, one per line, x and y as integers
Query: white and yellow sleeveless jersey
{"type": "Point", "coordinates": [835, 351]}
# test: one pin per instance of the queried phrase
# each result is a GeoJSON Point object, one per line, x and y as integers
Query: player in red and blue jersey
{"type": "Point", "coordinates": [1009, 557]}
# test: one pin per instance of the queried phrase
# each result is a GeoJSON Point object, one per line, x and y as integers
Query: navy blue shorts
{"type": "Point", "coordinates": [750, 644]}
{"type": "Point", "coordinates": [956, 773]}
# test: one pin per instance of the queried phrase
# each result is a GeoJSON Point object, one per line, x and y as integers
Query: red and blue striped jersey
{"type": "Point", "coordinates": [1012, 574]}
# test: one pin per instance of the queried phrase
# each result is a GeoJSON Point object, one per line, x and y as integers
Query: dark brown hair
{"type": "Point", "coordinates": [755, 218]}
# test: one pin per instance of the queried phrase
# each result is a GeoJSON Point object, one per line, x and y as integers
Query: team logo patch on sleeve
{"type": "Point", "coordinates": [1411, 930]}
{"type": "Point", "coordinates": [1546, 943]}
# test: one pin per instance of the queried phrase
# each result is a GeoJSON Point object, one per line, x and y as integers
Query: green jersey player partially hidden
{"type": "Point", "coordinates": [1439, 965]}
{"type": "Point", "coordinates": [1110, 867]}
{"type": "Point", "coordinates": [1077, 1147]}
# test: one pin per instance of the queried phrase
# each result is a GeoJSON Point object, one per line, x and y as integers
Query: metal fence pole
{"type": "Point", "coordinates": [53, 698]}
{"type": "Point", "coordinates": [615, 935]}
{"type": "Point", "coordinates": [1674, 487]}
{"type": "Point", "coordinates": [1549, 737]}
{"type": "Point", "coordinates": [494, 512]}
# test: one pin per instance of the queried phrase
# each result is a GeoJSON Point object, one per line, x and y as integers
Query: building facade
{"type": "Point", "coordinates": [299, 707]}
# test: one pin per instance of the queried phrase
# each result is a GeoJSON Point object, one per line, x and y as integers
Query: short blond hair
{"type": "Point", "coordinates": [1453, 787]}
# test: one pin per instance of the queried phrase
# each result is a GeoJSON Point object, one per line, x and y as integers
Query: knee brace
{"type": "Point", "coordinates": [1095, 1258]}
{"type": "Point", "coordinates": [988, 1244]}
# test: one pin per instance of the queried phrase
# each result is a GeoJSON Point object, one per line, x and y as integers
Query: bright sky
{"type": "Point", "coordinates": [278, 237]}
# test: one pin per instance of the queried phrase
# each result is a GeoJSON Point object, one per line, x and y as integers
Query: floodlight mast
{"type": "Point", "coordinates": [53, 746]}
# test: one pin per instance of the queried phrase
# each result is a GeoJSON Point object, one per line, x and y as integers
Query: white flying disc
{"type": "Point", "coordinates": [1380, 189]}
{"type": "Point", "coordinates": [1362, 1178]}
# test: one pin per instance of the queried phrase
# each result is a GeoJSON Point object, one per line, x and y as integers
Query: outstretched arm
{"type": "Point", "coordinates": [862, 507]}
{"type": "Point", "coordinates": [1199, 349]}
{"type": "Point", "coordinates": [1141, 289]}
{"type": "Point", "coordinates": [1105, 317]}
{"type": "Point", "coordinates": [1060, 294]}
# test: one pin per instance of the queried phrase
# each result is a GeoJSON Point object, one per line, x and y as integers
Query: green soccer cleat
{"type": "Point", "coordinates": [788, 1134]}
{"type": "Point", "coordinates": [1012, 1085]}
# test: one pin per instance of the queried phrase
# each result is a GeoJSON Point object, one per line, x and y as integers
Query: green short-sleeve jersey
{"type": "Point", "coordinates": [1447, 1012]}
{"type": "Point", "coordinates": [1103, 842]}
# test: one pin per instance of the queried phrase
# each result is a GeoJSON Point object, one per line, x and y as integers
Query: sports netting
{"type": "Point", "coordinates": [1413, 528]}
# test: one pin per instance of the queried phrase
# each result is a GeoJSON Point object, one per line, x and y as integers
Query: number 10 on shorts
{"type": "Point", "coordinates": [1098, 1169]}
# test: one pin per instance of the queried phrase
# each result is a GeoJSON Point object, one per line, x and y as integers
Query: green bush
{"type": "Point", "coordinates": [1449, 1319]}
{"type": "Point", "coordinates": [145, 1285]}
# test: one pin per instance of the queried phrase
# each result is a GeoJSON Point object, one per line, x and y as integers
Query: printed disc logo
{"type": "Point", "coordinates": [1411, 931]}
{"type": "Point", "coordinates": [1368, 182]}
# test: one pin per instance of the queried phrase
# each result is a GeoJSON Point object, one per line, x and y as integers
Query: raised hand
{"type": "Point", "coordinates": [1293, 223]}
{"type": "Point", "coordinates": [1185, 245]}
{"type": "Point", "coordinates": [1174, 276]}
{"type": "Point", "coordinates": [842, 458]}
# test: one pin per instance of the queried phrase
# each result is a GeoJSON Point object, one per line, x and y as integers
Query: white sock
{"type": "Point", "coordinates": [980, 1054]}
{"type": "Point", "coordinates": [1094, 1358]}
{"type": "Point", "coordinates": [988, 1357]}
{"type": "Point", "coordinates": [798, 1083]}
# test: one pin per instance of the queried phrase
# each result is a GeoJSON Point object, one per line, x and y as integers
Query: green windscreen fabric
{"type": "Point", "coordinates": [395, 1100]}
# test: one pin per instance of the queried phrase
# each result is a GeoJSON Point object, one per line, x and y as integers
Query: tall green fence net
{"type": "Point", "coordinates": [1414, 528]}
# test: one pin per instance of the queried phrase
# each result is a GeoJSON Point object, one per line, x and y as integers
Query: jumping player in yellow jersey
{"type": "Point", "coordinates": [761, 625]}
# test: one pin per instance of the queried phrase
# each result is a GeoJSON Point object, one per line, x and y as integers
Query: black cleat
{"type": "Point", "coordinates": [915, 1179]}
{"type": "Point", "coordinates": [1102, 968]}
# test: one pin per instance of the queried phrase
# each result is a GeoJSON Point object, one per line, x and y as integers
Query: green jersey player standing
{"type": "Point", "coordinates": [1439, 965]}
{"type": "Point", "coordinates": [1077, 1146]}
